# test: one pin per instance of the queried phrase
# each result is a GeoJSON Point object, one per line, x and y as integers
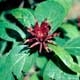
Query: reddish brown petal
{"type": "Point", "coordinates": [30, 30]}
{"type": "Point", "coordinates": [50, 41]}
{"type": "Point", "coordinates": [30, 40]}
{"type": "Point", "coordinates": [40, 49]}
{"type": "Point", "coordinates": [55, 34]}
{"type": "Point", "coordinates": [79, 24]}
{"type": "Point", "coordinates": [45, 47]}
{"type": "Point", "coordinates": [34, 44]}
{"type": "Point", "coordinates": [26, 41]}
{"type": "Point", "coordinates": [49, 37]}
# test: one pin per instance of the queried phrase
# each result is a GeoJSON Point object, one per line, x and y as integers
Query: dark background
{"type": "Point", "coordinates": [11, 4]}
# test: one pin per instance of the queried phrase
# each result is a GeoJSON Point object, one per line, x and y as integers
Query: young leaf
{"type": "Point", "coordinates": [52, 72]}
{"type": "Point", "coordinates": [24, 16]}
{"type": "Point", "coordinates": [52, 11]}
{"type": "Point", "coordinates": [65, 57]}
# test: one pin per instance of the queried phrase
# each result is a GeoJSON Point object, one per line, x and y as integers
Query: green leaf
{"type": "Point", "coordinates": [3, 70]}
{"type": "Point", "coordinates": [24, 16]}
{"type": "Point", "coordinates": [73, 46]}
{"type": "Point", "coordinates": [71, 31]}
{"type": "Point", "coordinates": [78, 58]}
{"type": "Point", "coordinates": [13, 62]}
{"type": "Point", "coordinates": [4, 25]}
{"type": "Point", "coordinates": [41, 62]}
{"type": "Point", "coordinates": [30, 61]}
{"type": "Point", "coordinates": [3, 45]}
{"type": "Point", "coordinates": [52, 72]}
{"type": "Point", "coordinates": [17, 48]}
{"type": "Point", "coordinates": [52, 11]}
{"type": "Point", "coordinates": [21, 78]}
{"type": "Point", "coordinates": [66, 4]}
{"type": "Point", "coordinates": [60, 41]}
{"type": "Point", "coordinates": [2, 0]}
{"type": "Point", "coordinates": [65, 57]}
{"type": "Point", "coordinates": [34, 77]}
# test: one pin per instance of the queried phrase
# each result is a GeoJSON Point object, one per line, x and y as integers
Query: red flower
{"type": "Point", "coordinates": [41, 36]}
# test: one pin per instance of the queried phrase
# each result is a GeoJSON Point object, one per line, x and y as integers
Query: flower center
{"type": "Point", "coordinates": [40, 36]}
{"type": "Point", "coordinates": [41, 31]}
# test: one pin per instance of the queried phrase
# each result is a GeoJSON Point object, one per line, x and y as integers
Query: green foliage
{"type": "Point", "coordinates": [53, 12]}
{"type": "Point", "coordinates": [41, 62]}
{"type": "Point", "coordinates": [2, 0]}
{"type": "Point", "coordinates": [7, 26]}
{"type": "Point", "coordinates": [65, 57]}
{"type": "Point", "coordinates": [71, 31]}
{"type": "Point", "coordinates": [73, 46]}
{"type": "Point", "coordinates": [53, 72]}
{"type": "Point", "coordinates": [12, 62]}
{"type": "Point", "coordinates": [24, 16]}
{"type": "Point", "coordinates": [3, 45]}
{"type": "Point", "coordinates": [34, 77]}
{"type": "Point", "coordinates": [65, 3]}
{"type": "Point", "coordinates": [17, 59]}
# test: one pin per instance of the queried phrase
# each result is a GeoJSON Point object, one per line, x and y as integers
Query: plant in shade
{"type": "Point", "coordinates": [38, 44]}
